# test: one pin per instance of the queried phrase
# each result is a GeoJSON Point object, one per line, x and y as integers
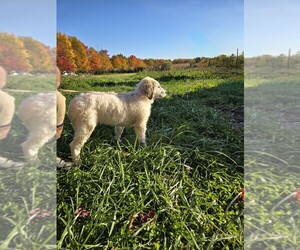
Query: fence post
{"type": "Point", "coordinates": [237, 57]}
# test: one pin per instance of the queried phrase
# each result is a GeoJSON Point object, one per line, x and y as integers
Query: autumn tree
{"type": "Point", "coordinates": [40, 56]}
{"type": "Point", "coordinates": [13, 54]}
{"type": "Point", "coordinates": [119, 61]}
{"type": "Point", "coordinates": [203, 63]}
{"type": "Point", "coordinates": [135, 63]}
{"type": "Point", "coordinates": [81, 54]}
{"type": "Point", "coordinates": [65, 56]}
{"type": "Point", "coordinates": [53, 52]}
{"type": "Point", "coordinates": [105, 61]}
{"type": "Point", "coordinates": [95, 60]}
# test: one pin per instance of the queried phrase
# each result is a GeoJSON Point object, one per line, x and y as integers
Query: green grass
{"type": "Point", "coordinates": [24, 190]}
{"type": "Point", "coordinates": [31, 187]}
{"type": "Point", "coordinates": [189, 173]}
{"type": "Point", "coordinates": [32, 83]}
{"type": "Point", "coordinates": [21, 192]}
{"type": "Point", "coordinates": [272, 161]}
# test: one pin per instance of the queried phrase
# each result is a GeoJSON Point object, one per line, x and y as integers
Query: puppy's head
{"type": "Point", "coordinates": [151, 88]}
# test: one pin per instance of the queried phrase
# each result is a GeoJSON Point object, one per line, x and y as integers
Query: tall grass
{"type": "Point", "coordinates": [28, 193]}
{"type": "Point", "coordinates": [188, 174]}
{"type": "Point", "coordinates": [272, 160]}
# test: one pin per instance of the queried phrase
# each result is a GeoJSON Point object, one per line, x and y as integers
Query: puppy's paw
{"type": "Point", "coordinates": [61, 164]}
{"type": "Point", "coordinates": [118, 139]}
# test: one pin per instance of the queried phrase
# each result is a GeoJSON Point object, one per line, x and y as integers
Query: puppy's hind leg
{"type": "Point", "coordinates": [82, 134]}
{"type": "Point", "coordinates": [118, 133]}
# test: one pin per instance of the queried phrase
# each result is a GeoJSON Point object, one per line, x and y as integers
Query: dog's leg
{"type": "Point", "coordinates": [118, 133]}
{"type": "Point", "coordinates": [35, 141]}
{"type": "Point", "coordinates": [140, 131]}
{"type": "Point", "coordinates": [82, 134]}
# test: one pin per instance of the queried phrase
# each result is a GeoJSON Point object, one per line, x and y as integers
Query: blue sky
{"type": "Point", "coordinates": [155, 28]}
{"type": "Point", "coordinates": [161, 28]}
{"type": "Point", "coordinates": [35, 18]}
{"type": "Point", "coordinates": [271, 27]}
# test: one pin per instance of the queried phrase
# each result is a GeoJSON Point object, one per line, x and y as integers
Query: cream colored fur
{"type": "Point", "coordinates": [38, 114]}
{"type": "Point", "coordinates": [131, 109]}
{"type": "Point", "coordinates": [2, 77]}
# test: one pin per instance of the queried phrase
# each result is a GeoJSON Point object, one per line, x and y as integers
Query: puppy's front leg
{"type": "Point", "coordinates": [118, 133]}
{"type": "Point", "coordinates": [140, 131]}
{"type": "Point", "coordinates": [35, 141]}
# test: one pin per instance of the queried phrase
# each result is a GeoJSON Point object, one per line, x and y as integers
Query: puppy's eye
{"type": "Point", "coordinates": [159, 87]}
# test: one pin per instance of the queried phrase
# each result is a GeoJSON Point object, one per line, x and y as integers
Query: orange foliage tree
{"type": "Point", "coordinates": [135, 63]}
{"type": "Point", "coordinates": [81, 54]}
{"type": "Point", "coordinates": [65, 54]}
{"type": "Point", "coordinates": [119, 61]}
{"type": "Point", "coordinates": [13, 54]}
{"type": "Point", "coordinates": [95, 60]}
{"type": "Point", "coordinates": [105, 61]}
{"type": "Point", "coordinates": [40, 56]}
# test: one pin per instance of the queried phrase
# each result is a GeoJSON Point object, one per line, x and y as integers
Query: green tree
{"type": "Point", "coordinates": [241, 60]}
{"type": "Point", "coordinates": [167, 65]}
{"type": "Point", "coordinates": [150, 62]}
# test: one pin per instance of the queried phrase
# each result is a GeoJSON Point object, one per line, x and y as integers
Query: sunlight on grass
{"type": "Point", "coordinates": [272, 161]}
{"type": "Point", "coordinates": [188, 174]}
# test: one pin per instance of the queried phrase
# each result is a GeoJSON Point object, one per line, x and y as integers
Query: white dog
{"type": "Point", "coordinates": [38, 113]}
{"type": "Point", "coordinates": [131, 109]}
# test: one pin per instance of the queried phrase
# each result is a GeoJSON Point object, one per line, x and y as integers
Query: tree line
{"type": "Point", "coordinates": [25, 54]}
{"type": "Point", "coordinates": [268, 61]}
{"type": "Point", "coordinates": [74, 56]}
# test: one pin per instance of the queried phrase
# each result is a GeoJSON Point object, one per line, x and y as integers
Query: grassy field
{"type": "Point", "coordinates": [272, 126]}
{"type": "Point", "coordinates": [28, 194]}
{"type": "Point", "coordinates": [187, 179]}
{"type": "Point", "coordinates": [189, 176]}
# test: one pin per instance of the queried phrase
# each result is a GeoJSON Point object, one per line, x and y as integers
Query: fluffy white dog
{"type": "Point", "coordinates": [38, 113]}
{"type": "Point", "coordinates": [131, 109]}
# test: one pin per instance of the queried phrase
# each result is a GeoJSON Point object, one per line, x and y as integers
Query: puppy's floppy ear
{"type": "Point", "coordinates": [147, 88]}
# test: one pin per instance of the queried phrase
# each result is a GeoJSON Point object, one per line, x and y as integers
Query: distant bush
{"type": "Point", "coordinates": [166, 66]}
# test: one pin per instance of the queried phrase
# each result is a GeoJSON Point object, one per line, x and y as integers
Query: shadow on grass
{"type": "Point", "coordinates": [184, 175]}
{"type": "Point", "coordinates": [195, 119]}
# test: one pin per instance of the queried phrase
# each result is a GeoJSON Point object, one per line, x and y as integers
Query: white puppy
{"type": "Point", "coordinates": [38, 114]}
{"type": "Point", "coordinates": [131, 109]}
